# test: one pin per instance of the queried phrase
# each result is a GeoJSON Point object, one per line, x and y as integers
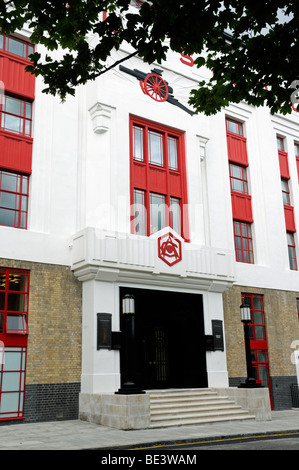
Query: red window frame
{"type": "Point", "coordinates": [297, 302]}
{"type": "Point", "coordinates": [14, 200]}
{"type": "Point", "coordinates": [26, 47]}
{"type": "Point", "coordinates": [292, 251]}
{"type": "Point", "coordinates": [158, 170]}
{"type": "Point", "coordinates": [14, 299]}
{"type": "Point", "coordinates": [258, 339]}
{"type": "Point", "coordinates": [285, 192]}
{"type": "Point", "coordinates": [14, 302]}
{"type": "Point", "coordinates": [243, 242]}
{"type": "Point", "coordinates": [238, 126]}
{"type": "Point", "coordinates": [239, 183]}
{"type": "Point", "coordinates": [280, 143]}
{"type": "Point", "coordinates": [21, 120]}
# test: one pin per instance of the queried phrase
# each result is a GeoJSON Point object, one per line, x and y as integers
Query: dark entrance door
{"type": "Point", "coordinates": [169, 332]}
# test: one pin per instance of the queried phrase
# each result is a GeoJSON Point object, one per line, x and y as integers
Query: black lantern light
{"type": "Point", "coordinates": [128, 311]}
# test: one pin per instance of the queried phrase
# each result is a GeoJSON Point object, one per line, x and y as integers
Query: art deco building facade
{"type": "Point", "coordinates": [123, 191]}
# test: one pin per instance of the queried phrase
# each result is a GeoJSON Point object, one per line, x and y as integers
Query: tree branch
{"type": "Point", "coordinates": [95, 75]}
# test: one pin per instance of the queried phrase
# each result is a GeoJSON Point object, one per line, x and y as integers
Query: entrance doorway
{"type": "Point", "coordinates": [169, 339]}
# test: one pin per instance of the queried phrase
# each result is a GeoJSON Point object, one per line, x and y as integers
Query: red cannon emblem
{"type": "Point", "coordinates": [169, 249]}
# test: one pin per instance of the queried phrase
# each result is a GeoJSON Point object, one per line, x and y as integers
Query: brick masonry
{"type": "Point", "coordinates": [53, 370]}
{"type": "Point", "coordinates": [282, 328]}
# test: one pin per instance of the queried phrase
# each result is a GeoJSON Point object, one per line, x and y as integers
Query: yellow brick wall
{"type": "Point", "coordinates": [282, 328]}
{"type": "Point", "coordinates": [54, 321]}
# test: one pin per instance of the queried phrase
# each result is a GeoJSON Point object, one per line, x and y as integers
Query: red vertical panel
{"type": "Point", "coordinates": [283, 163]}
{"type": "Point", "coordinates": [289, 219]}
{"type": "Point", "coordinates": [237, 151]}
{"type": "Point", "coordinates": [14, 77]}
{"type": "Point", "coordinates": [241, 207]}
{"type": "Point", "coordinates": [15, 153]}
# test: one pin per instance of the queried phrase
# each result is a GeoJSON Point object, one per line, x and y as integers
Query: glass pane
{"type": "Point", "coordinates": [1, 41]}
{"type": "Point", "coordinates": [139, 213]}
{"type": "Point", "coordinates": [16, 302]}
{"type": "Point", "coordinates": [24, 203]}
{"type": "Point", "coordinates": [237, 185]}
{"type": "Point", "coordinates": [15, 47]}
{"type": "Point", "coordinates": [28, 107]}
{"type": "Point", "coordinates": [12, 123]}
{"type": "Point", "coordinates": [16, 324]}
{"type": "Point", "coordinates": [237, 228]}
{"type": "Point", "coordinates": [158, 212]}
{"type": "Point", "coordinates": [173, 153]}
{"type": "Point", "coordinates": [234, 127]}
{"type": "Point", "coordinates": [259, 332]}
{"type": "Point", "coordinates": [30, 49]}
{"type": "Point", "coordinates": [262, 356]}
{"type": "Point", "coordinates": [257, 303]}
{"type": "Point", "coordinates": [7, 217]}
{"type": "Point", "coordinates": [12, 359]}
{"type": "Point", "coordinates": [156, 148]}
{"type": "Point", "coordinates": [25, 184]}
{"type": "Point", "coordinates": [175, 215]}
{"type": "Point", "coordinates": [258, 318]}
{"type": "Point", "coordinates": [13, 106]}
{"type": "Point", "coordinates": [138, 143]}
{"type": "Point", "coordinates": [8, 200]}
{"type": "Point", "coordinates": [9, 182]}
{"type": "Point", "coordinates": [9, 402]}
{"type": "Point", "coordinates": [10, 381]}
{"type": "Point", "coordinates": [27, 129]}
{"type": "Point", "coordinates": [18, 281]}
{"type": "Point", "coordinates": [2, 279]}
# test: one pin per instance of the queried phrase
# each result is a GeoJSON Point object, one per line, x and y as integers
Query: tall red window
{"type": "Point", "coordinates": [292, 251]}
{"type": "Point", "coordinates": [15, 116]}
{"type": "Point", "coordinates": [258, 340]}
{"type": "Point", "coordinates": [285, 192]}
{"type": "Point", "coordinates": [14, 293]}
{"type": "Point", "coordinates": [238, 178]}
{"type": "Point", "coordinates": [243, 242]}
{"type": "Point", "coordinates": [158, 178]}
{"type": "Point", "coordinates": [14, 192]}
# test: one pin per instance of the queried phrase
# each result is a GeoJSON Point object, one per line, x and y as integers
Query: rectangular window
{"type": "Point", "coordinates": [138, 143]}
{"type": "Point", "coordinates": [16, 116]}
{"type": "Point", "coordinates": [16, 46]}
{"type": "Point", "coordinates": [285, 192]}
{"type": "Point", "coordinates": [140, 213]}
{"type": "Point", "coordinates": [14, 292]}
{"type": "Point", "coordinates": [158, 212]}
{"type": "Point", "coordinates": [238, 178]}
{"type": "Point", "coordinates": [158, 178]}
{"type": "Point", "coordinates": [156, 154]}
{"type": "Point", "coordinates": [235, 127]}
{"type": "Point", "coordinates": [14, 191]}
{"type": "Point", "coordinates": [292, 251]}
{"type": "Point", "coordinates": [173, 153]}
{"type": "Point", "coordinates": [175, 214]}
{"type": "Point", "coordinates": [12, 383]}
{"type": "Point", "coordinates": [243, 242]}
{"type": "Point", "coordinates": [280, 143]}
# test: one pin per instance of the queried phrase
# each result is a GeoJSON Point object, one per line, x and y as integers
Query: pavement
{"type": "Point", "coordinates": [82, 435]}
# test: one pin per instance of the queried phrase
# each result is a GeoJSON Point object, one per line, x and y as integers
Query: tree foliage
{"type": "Point", "coordinates": [251, 51]}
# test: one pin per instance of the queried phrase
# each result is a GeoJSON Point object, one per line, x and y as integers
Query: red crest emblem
{"type": "Point", "coordinates": [169, 249]}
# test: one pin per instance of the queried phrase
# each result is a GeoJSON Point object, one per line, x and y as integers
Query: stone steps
{"type": "Point", "coordinates": [177, 407]}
